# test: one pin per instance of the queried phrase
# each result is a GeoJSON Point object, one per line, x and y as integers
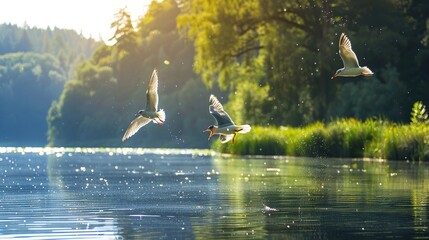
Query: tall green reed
{"type": "Point", "coordinates": [340, 138]}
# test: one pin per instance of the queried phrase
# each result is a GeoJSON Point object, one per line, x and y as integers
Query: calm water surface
{"type": "Point", "coordinates": [112, 195]}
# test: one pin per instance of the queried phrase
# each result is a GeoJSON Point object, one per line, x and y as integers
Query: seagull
{"type": "Point", "coordinates": [150, 113]}
{"type": "Point", "coordinates": [226, 128]}
{"type": "Point", "coordinates": [351, 64]}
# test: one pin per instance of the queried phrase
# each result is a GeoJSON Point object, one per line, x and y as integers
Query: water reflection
{"type": "Point", "coordinates": [103, 195]}
{"type": "Point", "coordinates": [322, 198]}
{"type": "Point", "coordinates": [164, 196]}
{"type": "Point", "coordinates": [149, 196]}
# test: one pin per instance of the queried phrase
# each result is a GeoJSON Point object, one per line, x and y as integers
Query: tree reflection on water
{"type": "Point", "coordinates": [191, 195]}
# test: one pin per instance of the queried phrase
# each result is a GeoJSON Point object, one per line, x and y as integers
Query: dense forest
{"type": "Point", "coordinates": [69, 47]}
{"type": "Point", "coordinates": [272, 62]}
{"type": "Point", "coordinates": [276, 58]}
{"type": "Point", "coordinates": [34, 66]}
{"type": "Point", "coordinates": [99, 103]}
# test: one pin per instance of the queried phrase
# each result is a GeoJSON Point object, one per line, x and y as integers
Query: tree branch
{"type": "Point", "coordinates": [246, 50]}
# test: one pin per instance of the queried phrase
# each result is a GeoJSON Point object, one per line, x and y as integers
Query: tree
{"type": "Point", "coordinates": [29, 82]}
{"type": "Point", "coordinates": [99, 103]}
{"type": "Point", "coordinates": [124, 31]}
{"type": "Point", "coordinates": [84, 110]}
{"type": "Point", "coordinates": [381, 96]}
{"type": "Point", "coordinates": [32, 77]}
{"type": "Point", "coordinates": [415, 58]}
{"type": "Point", "coordinates": [292, 37]}
{"type": "Point", "coordinates": [298, 41]}
{"type": "Point", "coordinates": [24, 43]}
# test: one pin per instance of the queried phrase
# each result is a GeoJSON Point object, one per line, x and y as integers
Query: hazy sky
{"type": "Point", "coordinates": [91, 17]}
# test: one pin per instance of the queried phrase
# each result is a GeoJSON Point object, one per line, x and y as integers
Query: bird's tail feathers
{"type": "Point", "coordinates": [366, 71]}
{"type": "Point", "coordinates": [244, 128]}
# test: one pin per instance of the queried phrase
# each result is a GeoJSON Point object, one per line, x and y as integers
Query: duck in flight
{"type": "Point", "coordinates": [225, 127]}
{"type": "Point", "coordinates": [351, 64]}
{"type": "Point", "coordinates": [150, 113]}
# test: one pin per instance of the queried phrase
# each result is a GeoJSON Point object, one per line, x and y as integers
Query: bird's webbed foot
{"type": "Point", "coordinates": [233, 138]}
{"type": "Point", "coordinates": [158, 121]}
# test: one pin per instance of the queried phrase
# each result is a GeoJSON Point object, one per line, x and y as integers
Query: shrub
{"type": "Point", "coordinates": [419, 113]}
{"type": "Point", "coordinates": [340, 138]}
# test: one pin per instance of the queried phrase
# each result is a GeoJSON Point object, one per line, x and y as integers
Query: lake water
{"type": "Point", "coordinates": [126, 194]}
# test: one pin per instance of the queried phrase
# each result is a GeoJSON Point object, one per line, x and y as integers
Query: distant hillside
{"type": "Point", "coordinates": [34, 66]}
{"type": "Point", "coordinates": [66, 45]}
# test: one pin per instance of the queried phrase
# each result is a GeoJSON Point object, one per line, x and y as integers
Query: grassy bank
{"type": "Point", "coordinates": [341, 138]}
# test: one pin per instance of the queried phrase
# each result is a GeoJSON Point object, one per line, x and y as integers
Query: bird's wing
{"type": "Point", "coordinates": [346, 53]}
{"type": "Point", "coordinates": [216, 110]}
{"type": "Point", "coordinates": [135, 125]}
{"type": "Point", "coordinates": [225, 137]}
{"type": "Point", "coordinates": [152, 93]}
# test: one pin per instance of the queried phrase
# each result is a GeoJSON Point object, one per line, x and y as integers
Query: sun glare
{"type": "Point", "coordinates": [60, 151]}
{"type": "Point", "coordinates": [91, 18]}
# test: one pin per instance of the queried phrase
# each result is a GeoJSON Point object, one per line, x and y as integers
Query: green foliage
{"type": "Point", "coordinates": [156, 17]}
{"type": "Point", "coordinates": [67, 46]}
{"type": "Point", "coordinates": [382, 96]}
{"type": "Point", "coordinates": [341, 138]}
{"type": "Point", "coordinates": [349, 137]}
{"type": "Point", "coordinates": [124, 30]}
{"type": "Point", "coordinates": [274, 59]}
{"type": "Point", "coordinates": [34, 66]}
{"type": "Point", "coordinates": [419, 113]}
{"type": "Point", "coordinates": [29, 82]}
{"type": "Point", "coordinates": [261, 141]}
{"type": "Point", "coordinates": [404, 142]}
{"type": "Point", "coordinates": [227, 36]}
{"type": "Point", "coordinates": [97, 106]}
{"type": "Point", "coordinates": [80, 114]}
{"type": "Point", "coordinates": [297, 42]}
{"type": "Point", "coordinates": [246, 103]}
{"type": "Point", "coordinates": [217, 39]}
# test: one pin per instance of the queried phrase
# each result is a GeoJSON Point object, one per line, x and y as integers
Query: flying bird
{"type": "Point", "coordinates": [351, 64]}
{"type": "Point", "coordinates": [225, 127]}
{"type": "Point", "coordinates": [150, 113]}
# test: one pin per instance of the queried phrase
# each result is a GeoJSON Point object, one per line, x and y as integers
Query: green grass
{"type": "Point", "coordinates": [408, 142]}
{"type": "Point", "coordinates": [341, 138]}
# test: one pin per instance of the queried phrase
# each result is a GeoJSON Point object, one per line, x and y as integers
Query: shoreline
{"type": "Point", "coordinates": [343, 138]}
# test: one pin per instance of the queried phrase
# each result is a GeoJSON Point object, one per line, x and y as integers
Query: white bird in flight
{"type": "Point", "coordinates": [351, 64]}
{"type": "Point", "coordinates": [150, 113]}
{"type": "Point", "coordinates": [226, 128]}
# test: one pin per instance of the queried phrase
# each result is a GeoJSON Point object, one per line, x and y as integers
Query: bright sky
{"type": "Point", "coordinates": [91, 17]}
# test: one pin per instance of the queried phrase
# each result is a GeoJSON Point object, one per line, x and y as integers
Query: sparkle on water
{"type": "Point", "coordinates": [110, 193]}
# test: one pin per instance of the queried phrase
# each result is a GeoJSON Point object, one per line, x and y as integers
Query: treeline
{"type": "Point", "coordinates": [107, 91]}
{"type": "Point", "coordinates": [67, 46]}
{"type": "Point", "coordinates": [273, 59]}
{"type": "Point", "coordinates": [34, 66]}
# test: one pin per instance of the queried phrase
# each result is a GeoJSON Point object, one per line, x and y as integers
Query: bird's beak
{"type": "Point", "coordinates": [334, 76]}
